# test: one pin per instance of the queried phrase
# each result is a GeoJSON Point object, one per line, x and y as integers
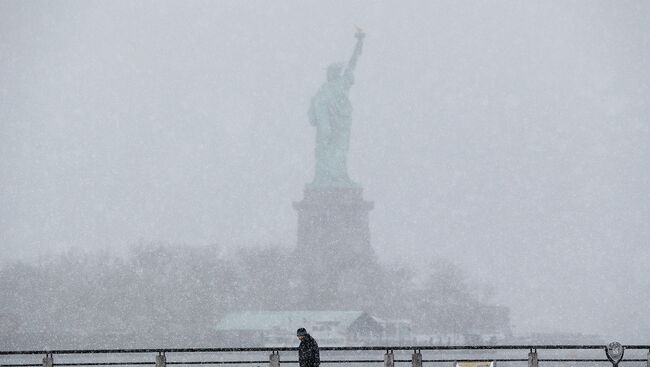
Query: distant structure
{"type": "Point", "coordinates": [330, 328]}
{"type": "Point", "coordinates": [333, 229]}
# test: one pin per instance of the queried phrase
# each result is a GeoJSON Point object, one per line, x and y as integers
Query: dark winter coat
{"type": "Point", "coordinates": [308, 354]}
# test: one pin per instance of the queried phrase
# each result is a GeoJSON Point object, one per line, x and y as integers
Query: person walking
{"type": "Point", "coordinates": [308, 354]}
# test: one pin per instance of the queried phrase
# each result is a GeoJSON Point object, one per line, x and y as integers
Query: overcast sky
{"type": "Point", "coordinates": [508, 136]}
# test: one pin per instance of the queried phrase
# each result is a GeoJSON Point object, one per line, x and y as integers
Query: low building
{"type": "Point", "coordinates": [278, 328]}
{"type": "Point", "coordinates": [396, 332]}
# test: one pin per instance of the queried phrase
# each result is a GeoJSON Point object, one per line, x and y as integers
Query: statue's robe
{"type": "Point", "coordinates": [331, 112]}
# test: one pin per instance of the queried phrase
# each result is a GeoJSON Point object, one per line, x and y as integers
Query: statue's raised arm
{"type": "Point", "coordinates": [349, 70]}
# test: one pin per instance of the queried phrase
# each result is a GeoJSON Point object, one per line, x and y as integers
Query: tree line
{"type": "Point", "coordinates": [164, 295]}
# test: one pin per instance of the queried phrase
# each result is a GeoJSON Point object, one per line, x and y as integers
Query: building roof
{"type": "Point", "coordinates": [274, 320]}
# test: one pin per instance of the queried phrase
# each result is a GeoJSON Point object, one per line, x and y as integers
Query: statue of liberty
{"type": "Point", "coordinates": [331, 112]}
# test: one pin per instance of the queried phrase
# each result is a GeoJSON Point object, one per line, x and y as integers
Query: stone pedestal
{"type": "Point", "coordinates": [333, 238]}
{"type": "Point", "coordinates": [334, 223]}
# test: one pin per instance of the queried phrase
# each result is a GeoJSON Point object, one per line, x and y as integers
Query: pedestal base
{"type": "Point", "coordinates": [333, 239]}
{"type": "Point", "coordinates": [333, 223]}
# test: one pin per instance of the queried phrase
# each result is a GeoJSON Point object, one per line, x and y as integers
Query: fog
{"type": "Point", "coordinates": [508, 137]}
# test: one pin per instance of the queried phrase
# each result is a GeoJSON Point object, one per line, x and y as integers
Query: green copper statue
{"type": "Point", "coordinates": [331, 112]}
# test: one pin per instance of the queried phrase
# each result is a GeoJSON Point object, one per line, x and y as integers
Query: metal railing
{"type": "Point", "coordinates": [364, 355]}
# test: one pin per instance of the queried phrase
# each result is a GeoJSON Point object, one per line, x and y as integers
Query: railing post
{"type": "Point", "coordinates": [532, 358]}
{"type": "Point", "coordinates": [648, 360]}
{"type": "Point", "coordinates": [161, 360]}
{"type": "Point", "coordinates": [416, 359]}
{"type": "Point", "coordinates": [389, 359]}
{"type": "Point", "coordinates": [48, 360]}
{"type": "Point", "coordinates": [274, 359]}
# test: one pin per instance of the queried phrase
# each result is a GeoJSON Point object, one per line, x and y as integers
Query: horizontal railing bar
{"type": "Point", "coordinates": [103, 363]}
{"type": "Point", "coordinates": [287, 349]}
{"type": "Point", "coordinates": [330, 361]}
{"type": "Point", "coordinates": [220, 362]}
{"type": "Point", "coordinates": [588, 360]}
{"type": "Point", "coordinates": [336, 361]}
{"type": "Point", "coordinates": [443, 361]}
{"type": "Point", "coordinates": [482, 360]}
{"type": "Point", "coordinates": [83, 364]}
{"type": "Point", "coordinates": [287, 362]}
{"type": "Point", "coordinates": [471, 360]}
{"type": "Point", "coordinates": [521, 360]}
